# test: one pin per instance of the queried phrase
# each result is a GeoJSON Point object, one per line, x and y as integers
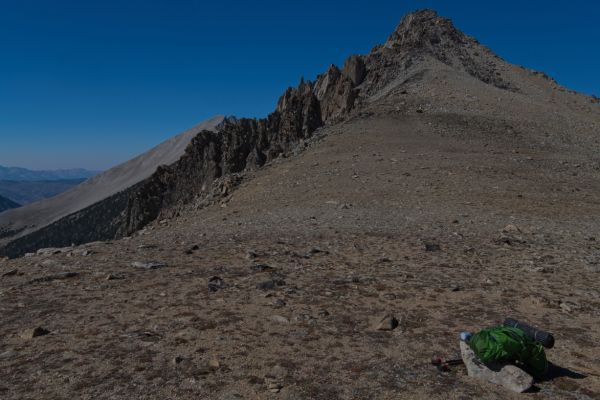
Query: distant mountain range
{"type": "Point", "coordinates": [23, 174]}
{"type": "Point", "coordinates": [6, 204]}
{"type": "Point", "coordinates": [25, 192]}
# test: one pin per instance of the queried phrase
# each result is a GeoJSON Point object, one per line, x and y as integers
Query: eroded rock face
{"type": "Point", "coordinates": [355, 69]}
{"type": "Point", "coordinates": [238, 145]}
{"type": "Point", "coordinates": [335, 93]}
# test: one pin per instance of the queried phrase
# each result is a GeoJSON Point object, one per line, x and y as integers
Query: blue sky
{"type": "Point", "coordinates": [93, 83]}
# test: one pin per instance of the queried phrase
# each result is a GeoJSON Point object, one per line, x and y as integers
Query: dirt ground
{"type": "Point", "coordinates": [440, 222]}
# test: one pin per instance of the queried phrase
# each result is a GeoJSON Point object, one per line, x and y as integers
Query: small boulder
{"type": "Point", "coordinates": [215, 284]}
{"type": "Point", "coordinates": [114, 277]}
{"type": "Point", "coordinates": [387, 323]}
{"type": "Point", "coordinates": [271, 284]}
{"type": "Point", "coordinates": [261, 268]}
{"type": "Point", "coordinates": [432, 246]}
{"type": "Point", "coordinates": [280, 319]}
{"type": "Point", "coordinates": [35, 332]}
{"type": "Point", "coordinates": [149, 265]}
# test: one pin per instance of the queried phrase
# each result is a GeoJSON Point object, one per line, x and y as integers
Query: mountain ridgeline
{"type": "Point", "coordinates": [27, 175]}
{"type": "Point", "coordinates": [213, 159]}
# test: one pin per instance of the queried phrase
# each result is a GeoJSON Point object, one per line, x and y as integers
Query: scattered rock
{"type": "Point", "coordinates": [323, 313]}
{"type": "Point", "coordinates": [149, 265]}
{"type": "Point", "coordinates": [568, 306]}
{"type": "Point", "coordinates": [274, 386]}
{"type": "Point", "coordinates": [12, 272]}
{"type": "Point", "coordinates": [54, 277]}
{"type": "Point", "coordinates": [271, 284]}
{"type": "Point", "coordinates": [251, 255]}
{"type": "Point", "coordinates": [51, 251]}
{"type": "Point", "coordinates": [316, 250]}
{"type": "Point", "coordinates": [81, 252]}
{"type": "Point", "coordinates": [179, 359]}
{"type": "Point", "coordinates": [114, 277]}
{"type": "Point", "coordinates": [280, 319]}
{"type": "Point", "coordinates": [505, 375]}
{"type": "Point", "coordinates": [432, 247]}
{"type": "Point", "coordinates": [261, 267]}
{"type": "Point", "coordinates": [214, 363]}
{"type": "Point", "coordinates": [279, 303]}
{"type": "Point", "coordinates": [8, 354]}
{"type": "Point", "coordinates": [35, 332]}
{"type": "Point", "coordinates": [192, 249]}
{"type": "Point", "coordinates": [215, 284]}
{"type": "Point", "coordinates": [231, 396]}
{"type": "Point", "coordinates": [387, 323]}
{"type": "Point", "coordinates": [50, 264]}
{"type": "Point", "coordinates": [511, 229]}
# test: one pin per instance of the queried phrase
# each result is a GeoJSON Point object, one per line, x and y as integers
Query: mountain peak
{"type": "Point", "coordinates": [425, 29]}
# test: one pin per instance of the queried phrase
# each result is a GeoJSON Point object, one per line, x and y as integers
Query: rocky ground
{"type": "Point", "coordinates": [277, 290]}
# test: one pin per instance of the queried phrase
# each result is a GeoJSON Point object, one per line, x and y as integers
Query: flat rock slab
{"type": "Point", "coordinates": [148, 264]}
{"type": "Point", "coordinates": [506, 375]}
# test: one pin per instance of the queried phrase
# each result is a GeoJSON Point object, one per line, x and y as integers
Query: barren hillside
{"type": "Point", "coordinates": [428, 180]}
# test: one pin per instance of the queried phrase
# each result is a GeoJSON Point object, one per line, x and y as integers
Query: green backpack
{"type": "Point", "coordinates": [505, 344]}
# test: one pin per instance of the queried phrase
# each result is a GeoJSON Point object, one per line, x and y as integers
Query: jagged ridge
{"type": "Point", "coordinates": [241, 144]}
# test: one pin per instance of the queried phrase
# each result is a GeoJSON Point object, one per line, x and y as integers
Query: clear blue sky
{"type": "Point", "coordinates": [92, 83]}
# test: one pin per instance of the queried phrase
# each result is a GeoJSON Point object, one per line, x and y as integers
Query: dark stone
{"type": "Point", "coordinates": [261, 268]}
{"type": "Point", "coordinates": [432, 247]}
{"type": "Point", "coordinates": [215, 284]}
{"type": "Point", "coordinates": [271, 284]}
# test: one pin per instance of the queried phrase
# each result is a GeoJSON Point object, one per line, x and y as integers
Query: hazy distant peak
{"type": "Point", "coordinates": [24, 174]}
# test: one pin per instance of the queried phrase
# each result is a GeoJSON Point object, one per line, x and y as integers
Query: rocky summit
{"type": "Point", "coordinates": [328, 250]}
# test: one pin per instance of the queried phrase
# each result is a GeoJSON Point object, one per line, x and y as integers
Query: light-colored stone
{"type": "Point", "coordinates": [506, 375]}
{"type": "Point", "coordinates": [387, 323]}
{"type": "Point", "coordinates": [148, 264]}
{"type": "Point", "coordinates": [35, 332]}
{"type": "Point", "coordinates": [280, 319]}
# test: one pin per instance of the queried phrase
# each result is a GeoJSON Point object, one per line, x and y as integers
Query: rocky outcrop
{"type": "Point", "coordinates": [239, 144]}
{"type": "Point", "coordinates": [335, 92]}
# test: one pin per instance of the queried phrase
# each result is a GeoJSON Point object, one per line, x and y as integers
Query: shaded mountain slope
{"type": "Point", "coordinates": [7, 204]}
{"type": "Point", "coordinates": [26, 192]}
{"type": "Point", "coordinates": [32, 218]}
